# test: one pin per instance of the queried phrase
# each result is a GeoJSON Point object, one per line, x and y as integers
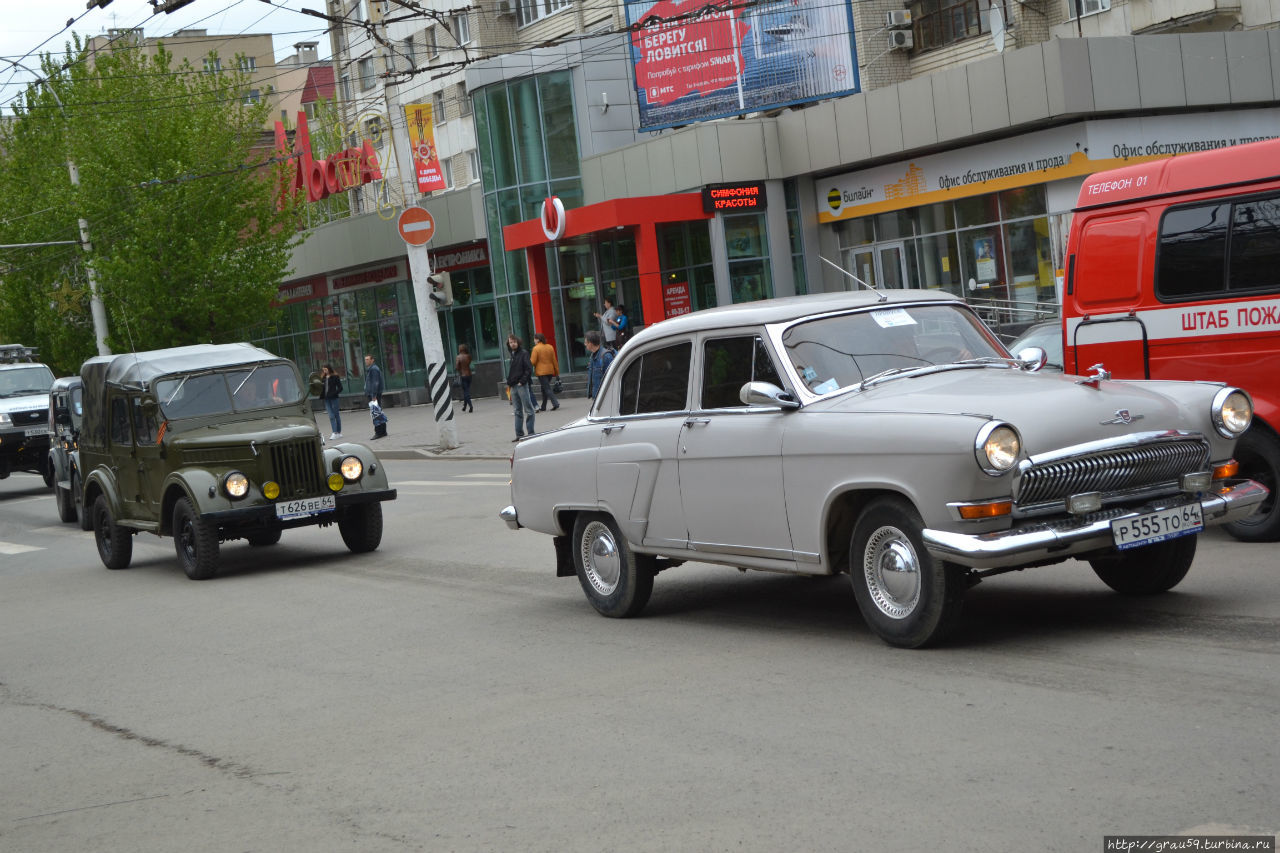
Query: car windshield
{"type": "Point", "coordinates": [240, 390]}
{"type": "Point", "coordinates": [837, 352]}
{"type": "Point", "coordinates": [21, 381]}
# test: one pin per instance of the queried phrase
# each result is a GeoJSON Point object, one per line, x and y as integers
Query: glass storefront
{"type": "Point", "coordinates": [994, 250]}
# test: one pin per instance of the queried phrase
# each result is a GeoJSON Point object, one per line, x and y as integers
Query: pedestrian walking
{"type": "Point", "coordinates": [519, 384]}
{"type": "Point", "coordinates": [463, 365]}
{"type": "Point", "coordinates": [598, 362]}
{"type": "Point", "coordinates": [331, 393]}
{"type": "Point", "coordinates": [373, 393]}
{"type": "Point", "coordinates": [607, 327]}
{"type": "Point", "coordinates": [547, 368]}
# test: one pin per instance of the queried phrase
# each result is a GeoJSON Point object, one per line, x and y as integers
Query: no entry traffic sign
{"type": "Point", "coordinates": [416, 226]}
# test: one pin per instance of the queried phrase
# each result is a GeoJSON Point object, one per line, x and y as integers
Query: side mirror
{"type": "Point", "coordinates": [1032, 358]}
{"type": "Point", "coordinates": [150, 407]}
{"type": "Point", "coordinates": [767, 394]}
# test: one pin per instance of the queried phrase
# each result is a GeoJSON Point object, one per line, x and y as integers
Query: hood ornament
{"type": "Point", "coordinates": [1122, 417]}
{"type": "Point", "coordinates": [1100, 374]}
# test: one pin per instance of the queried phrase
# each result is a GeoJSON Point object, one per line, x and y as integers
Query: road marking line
{"type": "Point", "coordinates": [13, 548]}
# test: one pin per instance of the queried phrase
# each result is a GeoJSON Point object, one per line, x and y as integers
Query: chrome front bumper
{"type": "Point", "coordinates": [1037, 541]}
{"type": "Point", "coordinates": [508, 514]}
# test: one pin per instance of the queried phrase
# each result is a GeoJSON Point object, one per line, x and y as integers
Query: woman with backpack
{"type": "Point", "coordinates": [330, 394]}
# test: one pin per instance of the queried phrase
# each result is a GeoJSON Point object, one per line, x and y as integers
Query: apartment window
{"type": "Point", "coordinates": [212, 65]}
{"type": "Point", "coordinates": [247, 63]}
{"type": "Point", "coordinates": [461, 26]}
{"type": "Point", "coordinates": [373, 130]}
{"type": "Point", "coordinates": [429, 36]}
{"type": "Point", "coordinates": [937, 23]}
{"type": "Point", "coordinates": [252, 97]}
{"type": "Point", "coordinates": [358, 12]}
{"type": "Point", "coordinates": [464, 100]}
{"type": "Point", "coordinates": [1080, 8]}
{"type": "Point", "coordinates": [473, 166]}
{"type": "Point", "coordinates": [365, 69]}
{"type": "Point", "coordinates": [529, 11]}
{"type": "Point", "coordinates": [409, 56]}
{"type": "Point", "coordinates": [437, 108]}
{"type": "Point", "coordinates": [346, 87]}
{"type": "Point", "coordinates": [449, 166]}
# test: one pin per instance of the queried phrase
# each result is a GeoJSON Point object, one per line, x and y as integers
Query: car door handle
{"type": "Point", "coordinates": [692, 422]}
{"type": "Point", "coordinates": [611, 427]}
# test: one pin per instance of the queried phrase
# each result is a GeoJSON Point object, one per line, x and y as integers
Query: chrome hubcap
{"type": "Point", "coordinates": [600, 559]}
{"type": "Point", "coordinates": [891, 571]}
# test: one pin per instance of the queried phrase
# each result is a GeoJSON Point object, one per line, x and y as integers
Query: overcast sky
{"type": "Point", "coordinates": [32, 28]}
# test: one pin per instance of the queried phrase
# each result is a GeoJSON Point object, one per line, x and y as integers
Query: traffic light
{"type": "Point", "coordinates": [441, 288]}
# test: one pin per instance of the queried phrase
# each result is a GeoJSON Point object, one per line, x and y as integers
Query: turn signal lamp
{"type": "Point", "coordinates": [335, 482]}
{"type": "Point", "coordinates": [1226, 470]}
{"type": "Point", "coordinates": [990, 509]}
{"type": "Point", "coordinates": [271, 490]}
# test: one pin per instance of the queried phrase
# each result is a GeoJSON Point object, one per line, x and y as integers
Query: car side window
{"type": "Point", "coordinates": [120, 434]}
{"type": "Point", "coordinates": [143, 426]}
{"type": "Point", "coordinates": [730, 363]}
{"type": "Point", "coordinates": [657, 381]}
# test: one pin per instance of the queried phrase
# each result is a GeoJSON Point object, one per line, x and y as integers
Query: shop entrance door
{"type": "Point", "coordinates": [891, 265]}
{"type": "Point", "coordinates": [581, 298]}
{"type": "Point", "coordinates": [864, 267]}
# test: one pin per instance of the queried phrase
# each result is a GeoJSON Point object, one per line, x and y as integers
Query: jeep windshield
{"type": "Point", "coordinates": [22, 381]}
{"type": "Point", "coordinates": [842, 351]}
{"type": "Point", "coordinates": [242, 389]}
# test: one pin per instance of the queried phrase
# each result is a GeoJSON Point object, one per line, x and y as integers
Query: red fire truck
{"type": "Point", "coordinates": [1173, 272]}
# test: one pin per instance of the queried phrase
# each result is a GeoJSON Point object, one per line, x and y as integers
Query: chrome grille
{"type": "Point", "coordinates": [1111, 471]}
{"type": "Point", "coordinates": [296, 467]}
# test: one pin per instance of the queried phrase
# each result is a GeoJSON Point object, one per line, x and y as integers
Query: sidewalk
{"type": "Point", "coordinates": [486, 433]}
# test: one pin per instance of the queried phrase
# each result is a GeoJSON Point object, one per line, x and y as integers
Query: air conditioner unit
{"type": "Point", "coordinates": [506, 7]}
{"type": "Point", "coordinates": [901, 40]}
{"type": "Point", "coordinates": [899, 18]}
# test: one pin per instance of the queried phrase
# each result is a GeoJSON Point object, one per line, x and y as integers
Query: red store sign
{"type": "Point", "coordinates": [352, 167]}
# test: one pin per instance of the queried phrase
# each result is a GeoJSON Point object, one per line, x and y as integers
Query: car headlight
{"type": "Point", "coordinates": [236, 485]}
{"type": "Point", "coordinates": [6, 419]}
{"type": "Point", "coordinates": [1232, 412]}
{"type": "Point", "coordinates": [997, 448]}
{"type": "Point", "coordinates": [351, 468]}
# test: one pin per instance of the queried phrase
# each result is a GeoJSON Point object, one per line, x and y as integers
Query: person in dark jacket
{"type": "Point", "coordinates": [599, 360]}
{"type": "Point", "coordinates": [373, 392]}
{"type": "Point", "coordinates": [331, 393]}
{"type": "Point", "coordinates": [520, 386]}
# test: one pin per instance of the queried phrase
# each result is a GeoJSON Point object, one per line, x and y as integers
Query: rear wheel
{"type": "Point", "coordinates": [1258, 452]}
{"type": "Point", "coordinates": [115, 543]}
{"type": "Point", "coordinates": [1147, 570]}
{"type": "Point", "coordinates": [617, 582]}
{"type": "Point", "coordinates": [361, 527]}
{"type": "Point", "coordinates": [196, 541]}
{"type": "Point", "coordinates": [907, 597]}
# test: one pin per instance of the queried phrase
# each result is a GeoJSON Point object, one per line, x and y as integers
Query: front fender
{"type": "Point", "coordinates": [374, 477]}
{"type": "Point", "coordinates": [100, 481]}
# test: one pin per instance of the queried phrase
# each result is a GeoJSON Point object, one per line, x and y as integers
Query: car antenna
{"type": "Point", "coordinates": [884, 297]}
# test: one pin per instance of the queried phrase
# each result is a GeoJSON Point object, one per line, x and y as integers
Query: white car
{"type": "Point", "coordinates": [889, 437]}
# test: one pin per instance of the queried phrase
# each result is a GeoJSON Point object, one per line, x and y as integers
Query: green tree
{"type": "Point", "coordinates": [179, 185]}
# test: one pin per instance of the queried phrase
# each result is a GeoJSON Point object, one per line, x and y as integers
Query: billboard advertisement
{"type": "Point", "coordinates": [422, 141]}
{"type": "Point", "coordinates": [694, 61]}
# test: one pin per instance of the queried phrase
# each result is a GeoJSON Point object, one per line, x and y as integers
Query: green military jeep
{"type": "Point", "coordinates": [213, 443]}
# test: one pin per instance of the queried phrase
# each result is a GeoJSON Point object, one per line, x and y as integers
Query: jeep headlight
{"type": "Point", "coordinates": [236, 485]}
{"type": "Point", "coordinates": [1232, 412]}
{"type": "Point", "coordinates": [352, 468]}
{"type": "Point", "coordinates": [6, 419]}
{"type": "Point", "coordinates": [997, 448]}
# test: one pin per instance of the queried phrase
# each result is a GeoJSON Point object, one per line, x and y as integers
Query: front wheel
{"type": "Point", "coordinates": [617, 582]}
{"type": "Point", "coordinates": [361, 527]}
{"type": "Point", "coordinates": [115, 543]}
{"type": "Point", "coordinates": [1258, 452]}
{"type": "Point", "coordinates": [66, 503]}
{"type": "Point", "coordinates": [1147, 570]}
{"type": "Point", "coordinates": [908, 597]}
{"type": "Point", "coordinates": [196, 541]}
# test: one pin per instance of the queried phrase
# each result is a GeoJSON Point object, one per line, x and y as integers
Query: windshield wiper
{"type": "Point", "coordinates": [883, 375]}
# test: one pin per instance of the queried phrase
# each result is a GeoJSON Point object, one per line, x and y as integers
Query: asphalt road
{"type": "Point", "coordinates": [449, 693]}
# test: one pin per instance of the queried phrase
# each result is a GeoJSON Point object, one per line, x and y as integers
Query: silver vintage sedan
{"type": "Point", "coordinates": [888, 436]}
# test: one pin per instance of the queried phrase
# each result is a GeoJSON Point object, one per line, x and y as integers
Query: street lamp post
{"type": "Point", "coordinates": [96, 309]}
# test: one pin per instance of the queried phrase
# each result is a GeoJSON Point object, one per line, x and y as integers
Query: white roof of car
{"type": "Point", "coordinates": [789, 308]}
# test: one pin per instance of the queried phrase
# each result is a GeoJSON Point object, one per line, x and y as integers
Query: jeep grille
{"type": "Point", "coordinates": [1112, 471]}
{"type": "Point", "coordinates": [296, 467]}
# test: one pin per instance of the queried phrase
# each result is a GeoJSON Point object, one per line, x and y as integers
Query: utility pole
{"type": "Point", "coordinates": [96, 309]}
{"type": "Point", "coordinates": [419, 268]}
